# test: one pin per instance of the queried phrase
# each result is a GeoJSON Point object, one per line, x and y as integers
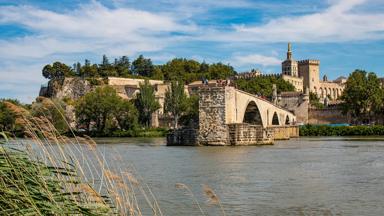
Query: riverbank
{"type": "Point", "coordinates": [326, 130]}
{"type": "Point", "coordinates": [151, 132]}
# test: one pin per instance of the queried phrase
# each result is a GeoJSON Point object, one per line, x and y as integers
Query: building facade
{"type": "Point", "coordinates": [305, 74]}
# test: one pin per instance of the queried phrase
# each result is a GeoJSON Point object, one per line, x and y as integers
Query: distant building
{"type": "Point", "coordinates": [306, 74]}
{"type": "Point", "coordinates": [248, 75]}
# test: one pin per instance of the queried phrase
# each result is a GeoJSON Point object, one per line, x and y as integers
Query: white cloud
{"type": "Point", "coordinates": [91, 28]}
{"type": "Point", "coordinates": [337, 23]}
{"type": "Point", "coordinates": [255, 59]}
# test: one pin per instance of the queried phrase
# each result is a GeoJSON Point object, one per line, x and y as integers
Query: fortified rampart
{"type": "Point", "coordinates": [331, 115]}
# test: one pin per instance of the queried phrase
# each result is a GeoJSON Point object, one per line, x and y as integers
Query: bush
{"type": "Point", "coordinates": [326, 130]}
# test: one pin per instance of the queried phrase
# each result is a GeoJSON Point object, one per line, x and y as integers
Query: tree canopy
{"type": "Point", "coordinates": [146, 103]}
{"type": "Point", "coordinates": [363, 96]}
{"type": "Point", "coordinates": [262, 85]}
{"type": "Point", "coordinates": [175, 101]}
{"type": "Point", "coordinates": [57, 70]}
{"type": "Point", "coordinates": [185, 70]}
{"type": "Point", "coordinates": [102, 107]}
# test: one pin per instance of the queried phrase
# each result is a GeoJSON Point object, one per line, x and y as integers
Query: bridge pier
{"type": "Point", "coordinates": [228, 116]}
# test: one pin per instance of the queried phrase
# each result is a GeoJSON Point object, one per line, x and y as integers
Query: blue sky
{"type": "Point", "coordinates": [343, 34]}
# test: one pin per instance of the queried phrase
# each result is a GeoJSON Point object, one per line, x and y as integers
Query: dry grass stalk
{"type": "Point", "coordinates": [189, 192]}
{"type": "Point", "coordinates": [67, 156]}
{"type": "Point", "coordinates": [212, 198]}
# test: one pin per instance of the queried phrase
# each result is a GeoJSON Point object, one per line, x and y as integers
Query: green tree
{"type": "Point", "coordinates": [146, 103]}
{"type": "Point", "coordinates": [126, 115]}
{"type": "Point", "coordinates": [262, 85]}
{"type": "Point", "coordinates": [122, 66]}
{"type": "Point", "coordinates": [89, 70]}
{"type": "Point", "coordinates": [191, 114]}
{"type": "Point", "coordinates": [220, 71]}
{"type": "Point", "coordinates": [143, 66]}
{"type": "Point", "coordinates": [158, 73]}
{"type": "Point", "coordinates": [106, 69]}
{"type": "Point", "coordinates": [315, 100]}
{"type": "Point", "coordinates": [7, 118]}
{"type": "Point", "coordinates": [181, 68]}
{"type": "Point", "coordinates": [53, 110]}
{"type": "Point", "coordinates": [362, 95]}
{"type": "Point", "coordinates": [97, 107]}
{"type": "Point", "coordinates": [57, 70]}
{"type": "Point", "coordinates": [175, 101]}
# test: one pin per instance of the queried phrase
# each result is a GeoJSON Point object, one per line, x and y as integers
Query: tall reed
{"type": "Point", "coordinates": [50, 174]}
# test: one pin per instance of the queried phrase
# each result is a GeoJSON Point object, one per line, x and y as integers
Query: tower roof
{"type": "Point", "coordinates": [289, 52]}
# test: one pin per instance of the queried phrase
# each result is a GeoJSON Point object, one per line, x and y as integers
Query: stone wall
{"type": "Point", "coordinates": [296, 102]}
{"type": "Point", "coordinates": [212, 125]}
{"type": "Point", "coordinates": [327, 116]}
{"type": "Point", "coordinates": [285, 132]}
{"type": "Point", "coordinates": [246, 134]}
{"type": "Point", "coordinates": [182, 137]}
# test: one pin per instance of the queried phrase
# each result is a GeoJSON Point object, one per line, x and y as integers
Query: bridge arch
{"type": "Point", "coordinates": [287, 120]}
{"type": "Point", "coordinates": [275, 119]}
{"type": "Point", "coordinates": [252, 114]}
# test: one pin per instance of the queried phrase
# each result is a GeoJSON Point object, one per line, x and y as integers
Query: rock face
{"type": "Point", "coordinates": [72, 88]}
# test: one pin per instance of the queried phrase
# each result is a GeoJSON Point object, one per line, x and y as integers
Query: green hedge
{"type": "Point", "coordinates": [152, 132]}
{"type": "Point", "coordinates": [325, 130]}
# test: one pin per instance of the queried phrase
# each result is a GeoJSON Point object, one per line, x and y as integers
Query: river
{"type": "Point", "coordinates": [305, 176]}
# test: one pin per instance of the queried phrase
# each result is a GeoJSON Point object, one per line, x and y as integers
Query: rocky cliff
{"type": "Point", "coordinates": [69, 87]}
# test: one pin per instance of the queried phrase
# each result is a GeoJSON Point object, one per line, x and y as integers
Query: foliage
{"type": "Point", "coordinates": [191, 114]}
{"type": "Point", "coordinates": [102, 107]}
{"type": "Point", "coordinates": [33, 188]}
{"type": "Point", "coordinates": [143, 66]}
{"type": "Point", "coordinates": [324, 130]}
{"type": "Point", "coordinates": [149, 132]}
{"type": "Point", "coordinates": [62, 176]}
{"type": "Point", "coordinates": [189, 70]}
{"type": "Point", "coordinates": [362, 96]}
{"type": "Point", "coordinates": [126, 115]}
{"type": "Point", "coordinates": [57, 70]}
{"type": "Point", "coordinates": [314, 100]}
{"type": "Point", "coordinates": [146, 103]}
{"type": "Point", "coordinates": [53, 110]}
{"type": "Point", "coordinates": [175, 101]}
{"type": "Point", "coordinates": [7, 118]}
{"type": "Point", "coordinates": [262, 85]}
{"type": "Point", "coordinates": [186, 70]}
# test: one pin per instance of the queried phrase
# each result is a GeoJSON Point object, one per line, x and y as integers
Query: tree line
{"type": "Point", "coordinates": [186, 70]}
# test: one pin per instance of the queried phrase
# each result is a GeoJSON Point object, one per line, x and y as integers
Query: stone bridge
{"type": "Point", "coordinates": [228, 116]}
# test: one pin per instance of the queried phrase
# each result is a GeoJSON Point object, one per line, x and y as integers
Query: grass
{"type": "Point", "coordinates": [51, 174]}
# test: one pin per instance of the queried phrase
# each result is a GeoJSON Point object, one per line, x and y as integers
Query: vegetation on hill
{"type": "Point", "coordinates": [181, 69]}
{"type": "Point", "coordinates": [262, 85]}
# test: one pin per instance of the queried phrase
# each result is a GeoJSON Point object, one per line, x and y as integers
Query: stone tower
{"type": "Point", "coordinates": [310, 71]}
{"type": "Point", "coordinates": [289, 66]}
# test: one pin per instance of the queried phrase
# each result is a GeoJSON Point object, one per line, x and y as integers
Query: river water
{"type": "Point", "coordinates": [305, 176]}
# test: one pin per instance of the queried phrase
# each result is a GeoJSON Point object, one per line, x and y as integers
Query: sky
{"type": "Point", "coordinates": [343, 34]}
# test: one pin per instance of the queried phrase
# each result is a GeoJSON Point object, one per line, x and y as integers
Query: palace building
{"type": "Point", "coordinates": [305, 74]}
